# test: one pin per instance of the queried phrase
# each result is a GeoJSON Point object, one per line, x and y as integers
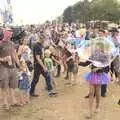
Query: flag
{"type": "Point", "coordinates": [9, 2]}
{"type": "Point", "coordinates": [8, 14]}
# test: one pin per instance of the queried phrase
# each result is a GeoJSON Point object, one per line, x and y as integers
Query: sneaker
{"type": "Point", "coordinates": [34, 95]}
{"type": "Point", "coordinates": [52, 94]}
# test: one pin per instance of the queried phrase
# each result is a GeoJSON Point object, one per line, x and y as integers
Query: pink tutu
{"type": "Point", "coordinates": [97, 78]}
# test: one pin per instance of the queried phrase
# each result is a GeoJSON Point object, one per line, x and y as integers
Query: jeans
{"type": "Point", "coordinates": [104, 87]}
{"type": "Point", "coordinates": [46, 75]}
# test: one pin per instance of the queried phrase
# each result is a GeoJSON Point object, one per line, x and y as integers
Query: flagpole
{"type": "Point", "coordinates": [10, 15]}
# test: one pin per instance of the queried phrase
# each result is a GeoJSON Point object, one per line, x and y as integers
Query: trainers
{"type": "Point", "coordinates": [52, 94]}
{"type": "Point", "coordinates": [34, 95]}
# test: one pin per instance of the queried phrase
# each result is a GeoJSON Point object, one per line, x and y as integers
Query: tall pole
{"type": "Point", "coordinates": [1, 16]}
{"type": "Point", "coordinates": [8, 16]}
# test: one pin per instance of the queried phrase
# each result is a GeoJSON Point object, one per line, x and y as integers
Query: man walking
{"type": "Point", "coordinates": [39, 68]}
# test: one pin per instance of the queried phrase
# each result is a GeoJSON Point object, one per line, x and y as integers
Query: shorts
{"type": "Point", "coordinates": [8, 77]}
{"type": "Point", "coordinates": [70, 65]}
{"type": "Point", "coordinates": [75, 70]}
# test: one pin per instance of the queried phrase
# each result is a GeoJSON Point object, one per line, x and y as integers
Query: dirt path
{"type": "Point", "coordinates": [68, 105]}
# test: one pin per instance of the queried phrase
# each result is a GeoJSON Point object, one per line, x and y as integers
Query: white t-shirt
{"type": "Point", "coordinates": [77, 33]}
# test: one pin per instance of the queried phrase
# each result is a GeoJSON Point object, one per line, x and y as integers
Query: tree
{"type": "Point", "coordinates": [59, 19]}
{"type": "Point", "coordinates": [81, 11]}
{"type": "Point", "coordinates": [67, 15]}
{"type": "Point", "coordinates": [106, 10]}
{"type": "Point", "coordinates": [95, 10]}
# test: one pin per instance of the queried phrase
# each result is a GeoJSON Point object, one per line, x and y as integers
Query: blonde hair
{"type": "Point", "coordinates": [51, 48]}
{"type": "Point", "coordinates": [47, 52]}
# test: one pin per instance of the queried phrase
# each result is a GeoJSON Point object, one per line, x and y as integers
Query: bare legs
{"type": "Point", "coordinates": [91, 99]}
{"type": "Point", "coordinates": [64, 66]}
{"type": "Point", "coordinates": [24, 97]}
{"type": "Point", "coordinates": [4, 92]}
{"type": "Point", "coordinates": [94, 89]}
{"type": "Point", "coordinates": [13, 98]}
{"type": "Point", "coordinates": [98, 94]}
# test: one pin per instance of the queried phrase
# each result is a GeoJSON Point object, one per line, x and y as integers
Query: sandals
{"type": "Point", "coordinates": [17, 105]}
{"type": "Point", "coordinates": [6, 107]}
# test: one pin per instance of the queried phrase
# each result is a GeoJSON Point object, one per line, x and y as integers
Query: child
{"type": "Point", "coordinates": [55, 55]}
{"type": "Point", "coordinates": [97, 76]}
{"type": "Point", "coordinates": [75, 70]}
{"type": "Point", "coordinates": [70, 65]}
{"type": "Point", "coordinates": [49, 64]}
{"type": "Point", "coordinates": [23, 83]}
{"type": "Point", "coordinates": [25, 52]}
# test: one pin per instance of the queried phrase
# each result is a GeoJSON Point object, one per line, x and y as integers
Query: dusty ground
{"type": "Point", "coordinates": [68, 105]}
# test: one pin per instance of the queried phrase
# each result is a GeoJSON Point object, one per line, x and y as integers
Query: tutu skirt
{"type": "Point", "coordinates": [97, 78]}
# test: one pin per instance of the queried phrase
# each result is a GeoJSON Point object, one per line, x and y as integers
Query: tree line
{"type": "Point", "coordinates": [84, 11]}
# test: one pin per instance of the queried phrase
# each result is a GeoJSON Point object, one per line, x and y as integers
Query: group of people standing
{"type": "Point", "coordinates": [44, 51]}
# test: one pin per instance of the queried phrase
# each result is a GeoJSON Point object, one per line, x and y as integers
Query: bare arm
{"type": "Point", "coordinates": [71, 57]}
{"type": "Point", "coordinates": [20, 51]}
{"type": "Point", "coordinates": [16, 59]}
{"type": "Point", "coordinates": [58, 62]}
{"type": "Point", "coordinates": [41, 62]}
{"type": "Point", "coordinates": [84, 64]}
{"type": "Point", "coordinates": [2, 60]}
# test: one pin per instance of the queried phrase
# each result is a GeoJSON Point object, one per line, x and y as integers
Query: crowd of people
{"type": "Point", "coordinates": [45, 50]}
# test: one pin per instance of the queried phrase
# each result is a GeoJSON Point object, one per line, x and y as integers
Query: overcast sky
{"type": "Point", "coordinates": [37, 11]}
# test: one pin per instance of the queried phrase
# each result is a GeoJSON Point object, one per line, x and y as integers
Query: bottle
{"type": "Point", "coordinates": [9, 60]}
